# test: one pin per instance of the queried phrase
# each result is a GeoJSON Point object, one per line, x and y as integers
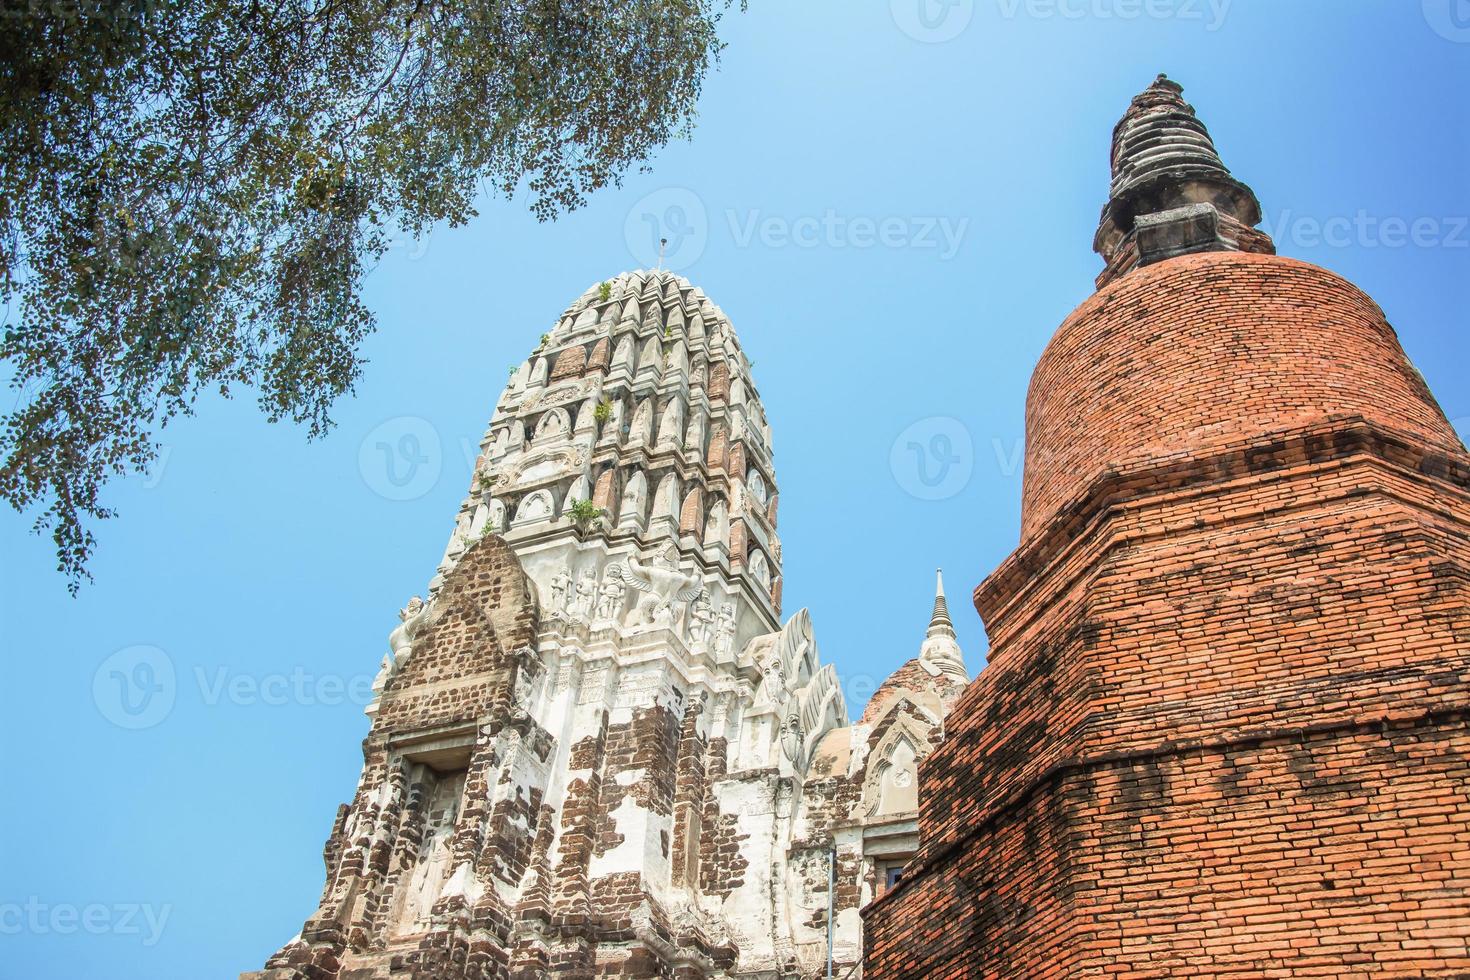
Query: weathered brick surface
{"type": "Point", "coordinates": [911, 677]}
{"type": "Point", "coordinates": [719, 445]}
{"type": "Point", "coordinates": [460, 678]}
{"type": "Point", "coordinates": [1223, 730]}
{"type": "Point", "coordinates": [463, 665]}
{"type": "Point", "coordinates": [737, 460]}
{"type": "Point", "coordinates": [1331, 854]}
{"type": "Point", "coordinates": [719, 381]}
{"type": "Point", "coordinates": [721, 864]}
{"type": "Point", "coordinates": [570, 363]}
{"type": "Point", "coordinates": [1205, 351]}
{"type": "Point", "coordinates": [690, 788]}
{"type": "Point", "coordinates": [597, 361]}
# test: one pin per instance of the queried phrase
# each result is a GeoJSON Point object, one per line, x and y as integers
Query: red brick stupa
{"type": "Point", "coordinates": [1223, 731]}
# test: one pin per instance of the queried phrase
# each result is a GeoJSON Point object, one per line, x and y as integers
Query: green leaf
{"type": "Point", "coordinates": [192, 194]}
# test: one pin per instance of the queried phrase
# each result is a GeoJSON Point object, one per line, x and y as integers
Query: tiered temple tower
{"type": "Point", "coordinates": [861, 795]}
{"type": "Point", "coordinates": [595, 750]}
{"type": "Point", "coordinates": [1223, 729]}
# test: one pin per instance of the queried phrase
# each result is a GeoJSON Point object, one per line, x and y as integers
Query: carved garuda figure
{"type": "Point", "coordinates": [662, 584]}
{"type": "Point", "coordinates": [400, 642]}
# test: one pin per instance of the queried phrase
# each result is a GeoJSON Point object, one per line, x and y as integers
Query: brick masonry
{"type": "Point", "coordinates": [1223, 729]}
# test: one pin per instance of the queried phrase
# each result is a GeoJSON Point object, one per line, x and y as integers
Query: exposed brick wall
{"type": "Point", "coordinates": [739, 542]}
{"type": "Point", "coordinates": [912, 676]}
{"type": "Point", "coordinates": [646, 746]}
{"type": "Point", "coordinates": [718, 445]}
{"type": "Point", "coordinates": [603, 492]}
{"type": "Point", "coordinates": [597, 361]}
{"type": "Point", "coordinates": [1203, 351]}
{"type": "Point", "coordinates": [508, 852]}
{"type": "Point", "coordinates": [462, 664]}
{"type": "Point", "coordinates": [721, 865]}
{"type": "Point", "coordinates": [580, 815]}
{"type": "Point", "coordinates": [1332, 854]}
{"type": "Point", "coordinates": [691, 514]}
{"type": "Point", "coordinates": [689, 793]}
{"type": "Point", "coordinates": [570, 363]}
{"type": "Point", "coordinates": [719, 381]}
{"type": "Point", "coordinates": [1223, 727]}
{"type": "Point", "coordinates": [736, 463]}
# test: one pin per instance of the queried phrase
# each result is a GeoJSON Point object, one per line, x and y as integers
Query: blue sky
{"type": "Point", "coordinates": [895, 207]}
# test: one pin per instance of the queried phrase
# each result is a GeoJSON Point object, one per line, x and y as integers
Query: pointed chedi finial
{"type": "Point", "coordinates": [1171, 194]}
{"type": "Point", "coordinates": [939, 622]}
{"type": "Point", "coordinates": [941, 648]}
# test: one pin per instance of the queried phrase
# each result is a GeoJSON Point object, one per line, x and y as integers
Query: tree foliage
{"type": "Point", "coordinates": [192, 192]}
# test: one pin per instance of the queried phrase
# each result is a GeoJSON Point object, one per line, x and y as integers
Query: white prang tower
{"type": "Point", "coordinates": [589, 745]}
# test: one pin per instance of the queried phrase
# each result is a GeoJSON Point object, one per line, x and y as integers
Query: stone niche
{"type": "Point", "coordinates": [422, 879]}
{"type": "Point", "coordinates": [436, 764]}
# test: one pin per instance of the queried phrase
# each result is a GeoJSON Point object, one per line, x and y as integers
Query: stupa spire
{"type": "Point", "coordinates": [1171, 194]}
{"type": "Point", "coordinates": [941, 647]}
{"type": "Point", "coordinates": [939, 622]}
